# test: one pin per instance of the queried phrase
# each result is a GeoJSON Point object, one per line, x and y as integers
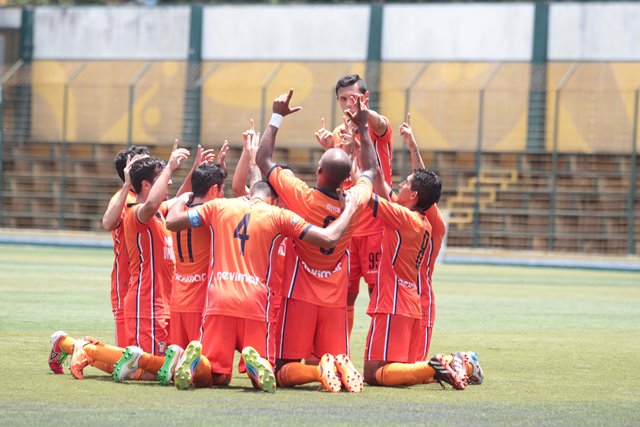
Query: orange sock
{"type": "Point", "coordinates": [202, 376]}
{"type": "Point", "coordinates": [103, 356]}
{"type": "Point", "coordinates": [395, 374]}
{"type": "Point", "coordinates": [350, 318]}
{"type": "Point", "coordinates": [67, 344]}
{"type": "Point", "coordinates": [150, 363]}
{"type": "Point", "coordinates": [296, 373]}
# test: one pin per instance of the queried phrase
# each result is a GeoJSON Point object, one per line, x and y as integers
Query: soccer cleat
{"type": "Point", "coordinates": [128, 364]}
{"type": "Point", "coordinates": [79, 359]}
{"type": "Point", "coordinates": [451, 372]}
{"type": "Point", "coordinates": [328, 375]}
{"type": "Point", "coordinates": [57, 355]}
{"type": "Point", "coordinates": [259, 370]}
{"type": "Point", "coordinates": [348, 374]}
{"type": "Point", "coordinates": [171, 359]}
{"type": "Point", "coordinates": [186, 367]}
{"type": "Point", "coordinates": [471, 358]}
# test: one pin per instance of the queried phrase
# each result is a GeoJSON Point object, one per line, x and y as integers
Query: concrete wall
{"type": "Point", "coordinates": [293, 32]}
{"type": "Point", "coordinates": [594, 31]}
{"type": "Point", "coordinates": [122, 32]}
{"type": "Point", "coordinates": [10, 18]}
{"type": "Point", "coordinates": [458, 32]}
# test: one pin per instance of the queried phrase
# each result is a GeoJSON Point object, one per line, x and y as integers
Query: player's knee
{"type": "Point", "coordinates": [370, 369]}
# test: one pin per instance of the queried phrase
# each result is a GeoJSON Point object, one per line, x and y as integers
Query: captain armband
{"type": "Point", "coordinates": [194, 218]}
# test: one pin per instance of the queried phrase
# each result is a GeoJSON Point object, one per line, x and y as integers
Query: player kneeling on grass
{"type": "Point", "coordinates": [395, 307]}
{"type": "Point", "coordinates": [129, 363]}
{"type": "Point", "coordinates": [248, 231]}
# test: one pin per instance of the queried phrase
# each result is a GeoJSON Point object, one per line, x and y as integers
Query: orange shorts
{"type": "Point", "coordinates": [121, 334]}
{"type": "Point", "coordinates": [306, 329]}
{"type": "Point", "coordinates": [152, 335]}
{"type": "Point", "coordinates": [184, 328]}
{"type": "Point", "coordinates": [391, 338]}
{"type": "Point", "coordinates": [222, 335]}
{"type": "Point", "coordinates": [420, 351]}
{"type": "Point", "coordinates": [365, 257]}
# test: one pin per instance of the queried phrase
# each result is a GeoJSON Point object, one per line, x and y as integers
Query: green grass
{"type": "Point", "coordinates": [559, 347]}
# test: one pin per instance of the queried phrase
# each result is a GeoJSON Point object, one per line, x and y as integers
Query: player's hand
{"type": "Point", "coordinates": [407, 132]}
{"type": "Point", "coordinates": [204, 156]}
{"type": "Point", "coordinates": [178, 156]}
{"type": "Point", "coordinates": [324, 136]}
{"type": "Point", "coordinates": [348, 141]}
{"type": "Point", "coordinates": [252, 145]}
{"type": "Point", "coordinates": [186, 197]}
{"type": "Point", "coordinates": [247, 134]}
{"type": "Point", "coordinates": [360, 116]}
{"type": "Point", "coordinates": [223, 155]}
{"type": "Point", "coordinates": [127, 168]}
{"type": "Point", "coordinates": [281, 104]}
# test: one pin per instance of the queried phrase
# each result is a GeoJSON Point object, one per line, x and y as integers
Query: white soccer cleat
{"type": "Point", "coordinates": [128, 364]}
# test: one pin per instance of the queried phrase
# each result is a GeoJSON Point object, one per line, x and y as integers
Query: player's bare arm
{"type": "Point", "coordinates": [280, 108]}
{"type": "Point", "coordinates": [377, 124]}
{"type": "Point", "coordinates": [111, 217]}
{"type": "Point", "coordinates": [410, 140]}
{"type": "Point", "coordinates": [158, 192]}
{"type": "Point", "coordinates": [330, 236]}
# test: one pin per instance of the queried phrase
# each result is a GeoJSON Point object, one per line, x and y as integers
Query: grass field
{"type": "Point", "coordinates": [559, 347]}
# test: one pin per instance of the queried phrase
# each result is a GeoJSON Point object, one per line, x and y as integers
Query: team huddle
{"type": "Point", "coordinates": [274, 272]}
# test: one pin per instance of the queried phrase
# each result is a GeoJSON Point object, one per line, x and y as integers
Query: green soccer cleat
{"type": "Point", "coordinates": [171, 359]}
{"type": "Point", "coordinates": [128, 364]}
{"type": "Point", "coordinates": [186, 366]}
{"type": "Point", "coordinates": [259, 370]}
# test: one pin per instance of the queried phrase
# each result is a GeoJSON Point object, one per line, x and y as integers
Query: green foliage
{"type": "Point", "coordinates": [559, 347]}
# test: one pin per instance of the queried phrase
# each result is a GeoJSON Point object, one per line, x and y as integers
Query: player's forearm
{"type": "Point", "coordinates": [264, 156]}
{"type": "Point", "coordinates": [157, 195]}
{"type": "Point", "coordinates": [112, 215]}
{"type": "Point", "coordinates": [239, 182]}
{"type": "Point", "coordinates": [176, 216]}
{"type": "Point", "coordinates": [367, 154]}
{"type": "Point", "coordinates": [377, 123]}
{"type": "Point", "coordinates": [416, 158]}
{"type": "Point", "coordinates": [254, 175]}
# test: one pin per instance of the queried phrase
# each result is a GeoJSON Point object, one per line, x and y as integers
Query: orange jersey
{"type": "Point", "coordinates": [151, 265]}
{"type": "Point", "coordinates": [192, 248]}
{"type": "Point", "coordinates": [384, 151]}
{"type": "Point", "coordinates": [404, 245]}
{"type": "Point", "coordinates": [246, 236]}
{"type": "Point", "coordinates": [439, 229]}
{"type": "Point", "coordinates": [322, 273]}
{"type": "Point", "coordinates": [120, 272]}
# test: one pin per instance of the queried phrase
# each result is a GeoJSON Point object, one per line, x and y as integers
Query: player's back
{"type": "Point", "coordinates": [246, 235]}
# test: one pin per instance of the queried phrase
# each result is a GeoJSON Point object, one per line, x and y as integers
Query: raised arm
{"type": "Point", "coordinates": [324, 136]}
{"type": "Point", "coordinates": [407, 135]}
{"type": "Point", "coordinates": [202, 156]}
{"type": "Point", "coordinates": [113, 214]}
{"type": "Point", "coordinates": [264, 156]}
{"type": "Point", "coordinates": [158, 192]}
{"type": "Point", "coordinates": [330, 236]}
{"type": "Point", "coordinates": [367, 152]}
{"type": "Point", "coordinates": [247, 163]}
{"type": "Point", "coordinates": [177, 217]}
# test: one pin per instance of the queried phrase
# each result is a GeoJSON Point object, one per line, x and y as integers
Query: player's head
{"type": "Point", "coordinates": [420, 190]}
{"type": "Point", "coordinates": [120, 162]}
{"type": "Point", "coordinates": [334, 167]}
{"type": "Point", "coordinates": [348, 86]}
{"type": "Point", "coordinates": [265, 191]}
{"type": "Point", "coordinates": [144, 173]}
{"type": "Point", "coordinates": [207, 181]}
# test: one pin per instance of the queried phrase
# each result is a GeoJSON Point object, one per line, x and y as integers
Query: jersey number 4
{"type": "Point", "coordinates": [241, 232]}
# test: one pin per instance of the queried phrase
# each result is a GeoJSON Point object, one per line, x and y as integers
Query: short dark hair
{"type": "Point", "coordinates": [350, 80]}
{"type": "Point", "coordinates": [120, 162]}
{"type": "Point", "coordinates": [145, 170]}
{"type": "Point", "coordinates": [429, 187]}
{"type": "Point", "coordinates": [263, 186]}
{"type": "Point", "coordinates": [206, 176]}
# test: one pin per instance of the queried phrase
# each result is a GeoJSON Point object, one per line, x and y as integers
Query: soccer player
{"type": "Point", "coordinates": [244, 234]}
{"type": "Point", "coordinates": [112, 221]}
{"type": "Point", "coordinates": [313, 317]}
{"type": "Point", "coordinates": [436, 238]}
{"type": "Point", "coordinates": [151, 256]}
{"type": "Point", "coordinates": [367, 239]}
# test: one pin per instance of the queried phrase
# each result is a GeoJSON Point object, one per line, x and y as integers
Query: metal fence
{"type": "Point", "coordinates": [533, 157]}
